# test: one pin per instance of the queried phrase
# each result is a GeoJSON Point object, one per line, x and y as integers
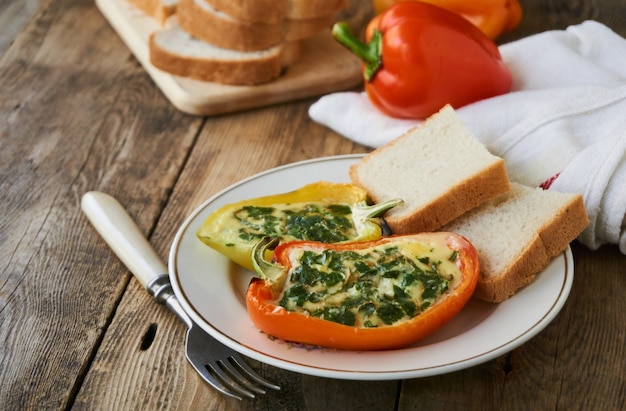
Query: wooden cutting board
{"type": "Point", "coordinates": [324, 67]}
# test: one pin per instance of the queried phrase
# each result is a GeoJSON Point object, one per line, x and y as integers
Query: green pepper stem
{"type": "Point", "coordinates": [266, 270]}
{"type": "Point", "coordinates": [375, 210]}
{"type": "Point", "coordinates": [369, 53]}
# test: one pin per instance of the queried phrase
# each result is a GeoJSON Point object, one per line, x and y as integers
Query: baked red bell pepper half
{"type": "Point", "coordinates": [371, 295]}
{"type": "Point", "coordinates": [418, 57]}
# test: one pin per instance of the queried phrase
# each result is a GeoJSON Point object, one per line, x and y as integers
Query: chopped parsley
{"type": "Point", "coordinates": [316, 222]}
{"type": "Point", "coordinates": [373, 288]}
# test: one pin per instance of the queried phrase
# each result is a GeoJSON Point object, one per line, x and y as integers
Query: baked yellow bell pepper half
{"type": "Point", "coordinates": [492, 17]}
{"type": "Point", "coordinates": [322, 211]}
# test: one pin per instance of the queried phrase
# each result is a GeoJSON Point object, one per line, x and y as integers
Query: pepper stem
{"type": "Point", "coordinates": [376, 210]}
{"type": "Point", "coordinates": [266, 270]}
{"type": "Point", "coordinates": [370, 53]}
{"type": "Point", "coordinates": [364, 212]}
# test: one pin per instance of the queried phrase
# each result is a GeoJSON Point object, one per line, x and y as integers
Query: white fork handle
{"type": "Point", "coordinates": [121, 233]}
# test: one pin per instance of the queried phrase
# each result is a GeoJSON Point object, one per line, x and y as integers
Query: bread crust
{"type": "Point", "coordinates": [251, 71]}
{"type": "Point", "coordinates": [222, 30]}
{"type": "Point", "coordinates": [223, 72]}
{"type": "Point", "coordinates": [464, 191]}
{"type": "Point", "coordinates": [551, 240]}
{"type": "Point", "coordinates": [567, 224]}
{"type": "Point", "coordinates": [520, 272]}
{"type": "Point", "coordinates": [269, 11]}
{"type": "Point", "coordinates": [272, 11]}
{"type": "Point", "coordinates": [459, 199]}
{"type": "Point", "coordinates": [309, 9]}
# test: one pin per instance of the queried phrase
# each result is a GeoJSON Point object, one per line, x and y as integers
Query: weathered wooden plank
{"type": "Point", "coordinates": [14, 15]}
{"type": "Point", "coordinates": [591, 350]}
{"type": "Point", "coordinates": [77, 113]}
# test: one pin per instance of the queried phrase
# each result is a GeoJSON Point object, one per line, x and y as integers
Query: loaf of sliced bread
{"type": "Point", "coordinates": [205, 22]}
{"type": "Point", "coordinates": [269, 11]}
{"type": "Point", "coordinates": [438, 168]}
{"type": "Point", "coordinates": [160, 10]}
{"type": "Point", "coordinates": [175, 51]}
{"type": "Point", "coordinates": [517, 234]}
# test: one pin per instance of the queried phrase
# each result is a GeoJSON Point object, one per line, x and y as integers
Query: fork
{"type": "Point", "coordinates": [220, 366]}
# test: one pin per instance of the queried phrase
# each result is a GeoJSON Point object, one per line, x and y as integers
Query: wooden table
{"type": "Point", "coordinates": [78, 113]}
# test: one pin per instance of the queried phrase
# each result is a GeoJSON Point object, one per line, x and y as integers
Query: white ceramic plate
{"type": "Point", "coordinates": [212, 290]}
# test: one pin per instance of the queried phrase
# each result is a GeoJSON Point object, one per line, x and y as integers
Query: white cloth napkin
{"type": "Point", "coordinates": [563, 125]}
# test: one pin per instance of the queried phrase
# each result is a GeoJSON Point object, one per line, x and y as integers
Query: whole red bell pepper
{"type": "Point", "coordinates": [420, 57]}
{"type": "Point", "coordinates": [372, 295]}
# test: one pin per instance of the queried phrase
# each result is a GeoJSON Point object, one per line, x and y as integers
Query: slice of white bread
{"type": "Point", "coordinates": [517, 234]}
{"type": "Point", "coordinates": [203, 21]}
{"type": "Point", "coordinates": [175, 51]}
{"type": "Point", "coordinates": [276, 10]}
{"type": "Point", "coordinates": [160, 10]}
{"type": "Point", "coordinates": [438, 168]}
